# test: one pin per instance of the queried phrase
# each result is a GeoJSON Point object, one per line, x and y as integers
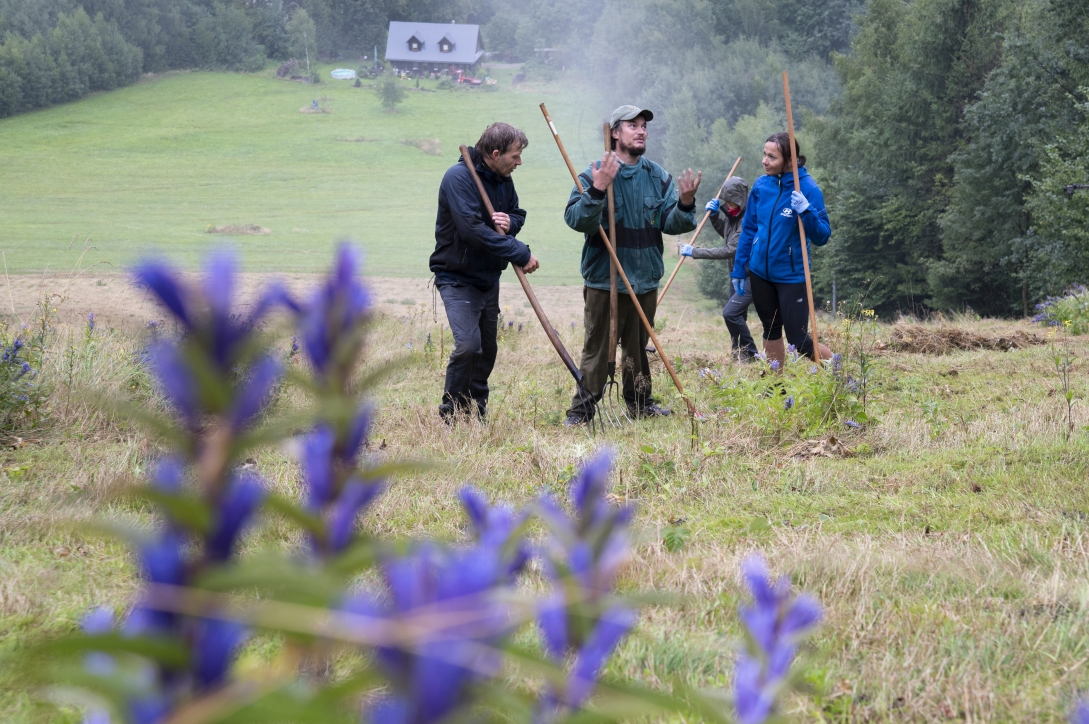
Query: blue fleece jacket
{"type": "Point", "coordinates": [770, 246]}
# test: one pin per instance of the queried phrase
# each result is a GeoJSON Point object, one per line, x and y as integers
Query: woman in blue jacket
{"type": "Point", "coordinates": [770, 250]}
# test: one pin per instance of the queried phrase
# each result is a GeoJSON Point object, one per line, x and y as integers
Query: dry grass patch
{"type": "Point", "coordinates": [942, 339]}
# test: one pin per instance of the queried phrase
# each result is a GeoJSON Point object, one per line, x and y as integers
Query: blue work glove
{"type": "Point", "coordinates": [712, 206]}
{"type": "Point", "coordinates": [686, 250]}
{"type": "Point", "coordinates": [798, 202]}
{"type": "Point", "coordinates": [739, 287]}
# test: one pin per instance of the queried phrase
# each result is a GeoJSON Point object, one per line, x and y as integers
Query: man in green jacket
{"type": "Point", "coordinates": [648, 204]}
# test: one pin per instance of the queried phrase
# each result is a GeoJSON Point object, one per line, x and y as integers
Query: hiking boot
{"type": "Point", "coordinates": [447, 413]}
{"type": "Point", "coordinates": [575, 419]}
{"type": "Point", "coordinates": [651, 409]}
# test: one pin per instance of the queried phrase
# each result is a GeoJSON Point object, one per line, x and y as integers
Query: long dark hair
{"type": "Point", "coordinates": [782, 140]}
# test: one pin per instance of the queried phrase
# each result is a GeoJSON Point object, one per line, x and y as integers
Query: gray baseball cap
{"type": "Point", "coordinates": [628, 113]}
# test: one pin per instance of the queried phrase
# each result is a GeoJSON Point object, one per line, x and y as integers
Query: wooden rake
{"type": "Point", "coordinates": [698, 230]}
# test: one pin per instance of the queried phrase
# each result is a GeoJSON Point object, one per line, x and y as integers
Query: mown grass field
{"type": "Point", "coordinates": [947, 544]}
{"type": "Point", "coordinates": [152, 166]}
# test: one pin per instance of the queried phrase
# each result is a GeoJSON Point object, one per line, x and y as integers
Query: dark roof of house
{"type": "Point", "coordinates": [465, 39]}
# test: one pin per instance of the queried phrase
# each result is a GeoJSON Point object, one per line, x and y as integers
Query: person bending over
{"type": "Point", "coordinates": [648, 204]}
{"type": "Point", "coordinates": [471, 251]}
{"type": "Point", "coordinates": [727, 213]}
{"type": "Point", "coordinates": [769, 251]}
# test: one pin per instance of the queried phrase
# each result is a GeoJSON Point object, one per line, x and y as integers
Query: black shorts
{"type": "Point", "coordinates": [783, 306]}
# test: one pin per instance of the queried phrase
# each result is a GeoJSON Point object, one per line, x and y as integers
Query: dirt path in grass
{"type": "Point", "coordinates": [116, 302]}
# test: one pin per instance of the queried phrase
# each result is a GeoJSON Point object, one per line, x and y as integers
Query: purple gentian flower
{"type": "Point", "coordinates": [775, 364]}
{"type": "Point", "coordinates": [445, 603]}
{"type": "Point", "coordinates": [162, 560]}
{"type": "Point", "coordinates": [91, 322]}
{"type": "Point", "coordinates": [317, 466]}
{"type": "Point", "coordinates": [175, 380]}
{"type": "Point", "coordinates": [355, 497]}
{"type": "Point", "coordinates": [334, 312]}
{"type": "Point", "coordinates": [789, 403]}
{"type": "Point", "coordinates": [243, 495]}
{"type": "Point", "coordinates": [1080, 715]}
{"type": "Point", "coordinates": [774, 622]}
{"type": "Point", "coordinates": [215, 643]}
{"type": "Point", "coordinates": [254, 392]}
{"type": "Point", "coordinates": [852, 424]}
{"type": "Point", "coordinates": [161, 280]}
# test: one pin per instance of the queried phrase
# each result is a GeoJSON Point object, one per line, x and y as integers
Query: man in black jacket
{"type": "Point", "coordinates": [471, 251]}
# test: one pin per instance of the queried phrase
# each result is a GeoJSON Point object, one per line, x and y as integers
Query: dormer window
{"type": "Point", "coordinates": [415, 44]}
{"type": "Point", "coordinates": [446, 46]}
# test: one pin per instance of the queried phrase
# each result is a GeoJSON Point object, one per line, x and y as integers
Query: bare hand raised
{"type": "Point", "coordinates": [605, 170]}
{"type": "Point", "coordinates": [501, 222]}
{"type": "Point", "coordinates": [532, 265]}
{"type": "Point", "coordinates": [687, 184]}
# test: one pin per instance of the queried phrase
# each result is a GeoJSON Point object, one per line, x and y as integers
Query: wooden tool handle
{"type": "Point", "coordinates": [694, 236]}
{"type": "Point", "coordinates": [614, 299]}
{"type": "Point", "coordinates": [553, 337]}
{"type": "Point", "coordinates": [801, 226]}
{"type": "Point", "coordinates": [623, 275]}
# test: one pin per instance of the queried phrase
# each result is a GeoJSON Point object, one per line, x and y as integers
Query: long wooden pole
{"type": "Point", "coordinates": [801, 226]}
{"type": "Point", "coordinates": [614, 297]}
{"type": "Point", "coordinates": [623, 275]}
{"type": "Point", "coordinates": [694, 236]}
{"type": "Point", "coordinates": [553, 337]}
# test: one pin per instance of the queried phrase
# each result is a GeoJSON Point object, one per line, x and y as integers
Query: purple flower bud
{"type": "Point", "coordinates": [552, 619]}
{"type": "Point", "coordinates": [244, 493]}
{"type": "Point", "coordinates": [775, 364]}
{"type": "Point", "coordinates": [334, 311]}
{"type": "Point", "coordinates": [588, 488]}
{"type": "Point", "coordinates": [175, 380]}
{"type": "Point", "coordinates": [317, 466]}
{"type": "Point", "coordinates": [789, 403]}
{"type": "Point", "coordinates": [91, 322]}
{"type": "Point", "coordinates": [161, 281]}
{"type": "Point", "coordinates": [611, 628]}
{"type": "Point", "coordinates": [162, 561]}
{"type": "Point", "coordinates": [852, 424]}
{"type": "Point", "coordinates": [356, 497]}
{"type": "Point", "coordinates": [358, 431]}
{"type": "Point", "coordinates": [215, 643]}
{"type": "Point", "coordinates": [254, 392]}
{"type": "Point", "coordinates": [167, 475]}
{"type": "Point", "coordinates": [774, 623]}
{"type": "Point", "coordinates": [1080, 715]}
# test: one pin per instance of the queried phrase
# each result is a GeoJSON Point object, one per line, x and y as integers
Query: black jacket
{"type": "Point", "coordinates": [468, 249]}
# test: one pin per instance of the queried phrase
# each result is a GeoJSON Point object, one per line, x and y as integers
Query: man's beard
{"type": "Point", "coordinates": [632, 151]}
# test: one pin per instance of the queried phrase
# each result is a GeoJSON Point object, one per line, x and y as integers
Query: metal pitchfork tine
{"type": "Point", "coordinates": [614, 409]}
{"type": "Point", "coordinates": [585, 397]}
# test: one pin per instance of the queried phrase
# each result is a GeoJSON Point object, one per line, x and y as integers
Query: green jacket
{"type": "Point", "coordinates": [647, 205]}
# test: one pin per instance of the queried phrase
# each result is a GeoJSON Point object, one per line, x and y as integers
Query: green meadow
{"type": "Point", "coordinates": [945, 539]}
{"type": "Point", "coordinates": [154, 165]}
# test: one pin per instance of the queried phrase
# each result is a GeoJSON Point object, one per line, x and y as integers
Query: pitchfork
{"type": "Point", "coordinates": [614, 409]}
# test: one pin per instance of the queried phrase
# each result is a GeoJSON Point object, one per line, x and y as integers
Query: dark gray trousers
{"type": "Point", "coordinates": [473, 317]}
{"type": "Point", "coordinates": [735, 314]}
{"type": "Point", "coordinates": [634, 367]}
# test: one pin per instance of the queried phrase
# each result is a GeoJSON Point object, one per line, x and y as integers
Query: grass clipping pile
{"type": "Point", "coordinates": [939, 340]}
